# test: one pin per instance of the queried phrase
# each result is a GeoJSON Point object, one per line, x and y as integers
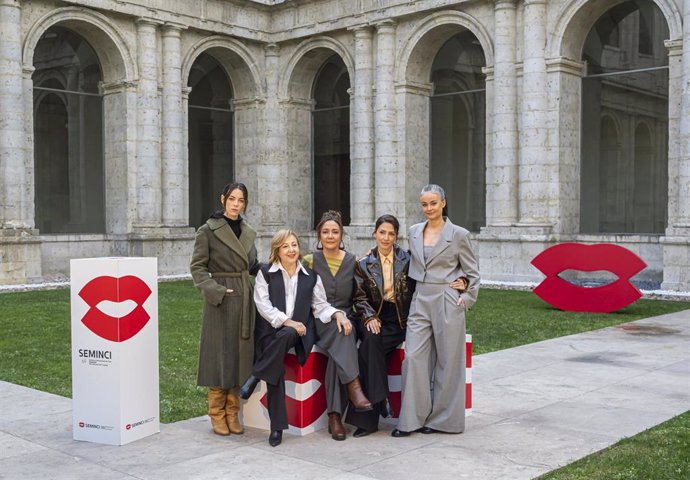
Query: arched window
{"type": "Point", "coordinates": [624, 164]}
{"type": "Point", "coordinates": [68, 135]}
{"type": "Point", "coordinates": [331, 139]}
{"type": "Point", "coordinates": [458, 129]}
{"type": "Point", "coordinates": [211, 159]}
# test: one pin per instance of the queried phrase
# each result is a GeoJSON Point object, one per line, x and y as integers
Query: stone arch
{"type": "Point", "coordinates": [238, 62]}
{"type": "Point", "coordinates": [108, 43]}
{"type": "Point", "coordinates": [577, 19]}
{"type": "Point", "coordinates": [414, 61]}
{"type": "Point", "coordinates": [298, 76]}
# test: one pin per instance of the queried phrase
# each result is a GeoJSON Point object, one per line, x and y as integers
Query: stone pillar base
{"type": "Point", "coordinates": [505, 253]}
{"type": "Point", "coordinates": [20, 256]}
{"type": "Point", "coordinates": [171, 245]}
{"type": "Point", "coordinates": [676, 261]}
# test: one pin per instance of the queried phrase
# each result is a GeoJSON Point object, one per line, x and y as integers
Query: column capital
{"type": "Point", "coordinates": [385, 26]}
{"type": "Point", "coordinates": [271, 50]}
{"type": "Point", "coordinates": [505, 4]}
{"type": "Point", "coordinates": [363, 30]}
{"type": "Point", "coordinates": [674, 47]}
{"type": "Point", "coordinates": [146, 21]}
{"type": "Point", "coordinates": [171, 29]}
{"type": "Point", "coordinates": [119, 86]}
{"type": "Point", "coordinates": [10, 3]}
{"type": "Point", "coordinates": [534, 2]}
{"type": "Point", "coordinates": [565, 65]}
{"type": "Point", "coordinates": [28, 70]}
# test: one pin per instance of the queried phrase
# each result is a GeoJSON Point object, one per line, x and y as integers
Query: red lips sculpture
{"type": "Point", "coordinates": [115, 290]}
{"type": "Point", "coordinates": [588, 258]}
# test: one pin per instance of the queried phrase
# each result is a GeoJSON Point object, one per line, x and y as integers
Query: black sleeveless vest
{"type": "Point", "coordinates": [302, 311]}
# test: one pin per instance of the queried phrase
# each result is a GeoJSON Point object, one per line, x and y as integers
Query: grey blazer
{"type": "Point", "coordinates": [451, 257]}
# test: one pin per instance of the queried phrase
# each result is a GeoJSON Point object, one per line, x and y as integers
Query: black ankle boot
{"type": "Point", "coordinates": [248, 387]}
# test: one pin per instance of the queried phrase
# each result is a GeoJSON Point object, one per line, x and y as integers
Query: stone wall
{"type": "Point", "coordinates": [272, 51]}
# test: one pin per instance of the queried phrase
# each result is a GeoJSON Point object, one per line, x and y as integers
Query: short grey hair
{"type": "Point", "coordinates": [433, 188]}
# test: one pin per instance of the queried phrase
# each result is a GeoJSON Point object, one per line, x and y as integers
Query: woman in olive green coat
{"type": "Point", "coordinates": [224, 256]}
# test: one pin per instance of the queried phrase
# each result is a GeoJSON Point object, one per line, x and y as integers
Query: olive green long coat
{"type": "Point", "coordinates": [221, 261]}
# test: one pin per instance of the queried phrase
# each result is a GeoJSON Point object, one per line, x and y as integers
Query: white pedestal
{"type": "Point", "coordinates": [114, 303]}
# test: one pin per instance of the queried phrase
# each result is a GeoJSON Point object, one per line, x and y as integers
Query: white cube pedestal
{"type": "Point", "coordinates": [114, 305]}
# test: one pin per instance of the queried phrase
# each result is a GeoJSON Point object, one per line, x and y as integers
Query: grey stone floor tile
{"type": "Point", "coordinates": [53, 465]}
{"type": "Point", "coordinates": [245, 463]}
{"type": "Point", "coordinates": [585, 416]}
{"type": "Point", "coordinates": [441, 460]}
{"type": "Point", "coordinates": [12, 446]}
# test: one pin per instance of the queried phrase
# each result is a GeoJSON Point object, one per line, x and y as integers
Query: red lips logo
{"type": "Point", "coordinates": [115, 290]}
{"type": "Point", "coordinates": [128, 426]}
{"type": "Point", "coordinates": [302, 413]}
{"type": "Point", "coordinates": [588, 258]}
{"type": "Point", "coordinates": [81, 424]}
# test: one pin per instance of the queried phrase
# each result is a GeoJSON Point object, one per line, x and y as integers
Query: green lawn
{"type": "Point", "coordinates": [35, 351]}
{"type": "Point", "coordinates": [660, 453]}
{"type": "Point", "coordinates": [500, 319]}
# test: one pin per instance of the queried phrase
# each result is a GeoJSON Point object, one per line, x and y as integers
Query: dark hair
{"type": "Point", "coordinates": [388, 219]}
{"type": "Point", "coordinates": [227, 189]}
{"type": "Point", "coordinates": [330, 216]}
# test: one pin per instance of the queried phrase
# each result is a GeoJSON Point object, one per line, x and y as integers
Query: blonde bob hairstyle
{"type": "Point", "coordinates": [279, 239]}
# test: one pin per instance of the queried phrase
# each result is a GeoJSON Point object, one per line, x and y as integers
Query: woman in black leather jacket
{"type": "Point", "coordinates": [382, 300]}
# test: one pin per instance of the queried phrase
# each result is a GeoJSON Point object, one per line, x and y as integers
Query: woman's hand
{"type": "Point", "coordinates": [298, 326]}
{"type": "Point", "coordinates": [344, 325]}
{"type": "Point", "coordinates": [374, 326]}
{"type": "Point", "coordinates": [460, 284]}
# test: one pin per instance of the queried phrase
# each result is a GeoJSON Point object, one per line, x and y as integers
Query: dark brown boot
{"type": "Point", "coordinates": [357, 398]}
{"type": "Point", "coordinates": [335, 426]}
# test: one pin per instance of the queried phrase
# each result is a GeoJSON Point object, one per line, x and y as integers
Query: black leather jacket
{"type": "Point", "coordinates": [368, 297]}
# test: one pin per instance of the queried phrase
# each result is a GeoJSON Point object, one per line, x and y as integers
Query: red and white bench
{"type": "Point", "coordinates": [306, 392]}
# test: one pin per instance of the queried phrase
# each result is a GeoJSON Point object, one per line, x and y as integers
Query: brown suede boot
{"type": "Point", "coordinates": [357, 398]}
{"type": "Point", "coordinates": [232, 410]}
{"type": "Point", "coordinates": [216, 410]}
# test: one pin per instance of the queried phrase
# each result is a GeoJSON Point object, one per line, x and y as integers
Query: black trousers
{"type": "Point", "coordinates": [269, 366]}
{"type": "Point", "coordinates": [375, 352]}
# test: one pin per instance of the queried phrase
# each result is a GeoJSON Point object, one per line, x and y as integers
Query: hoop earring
{"type": "Point", "coordinates": [342, 245]}
{"type": "Point", "coordinates": [318, 245]}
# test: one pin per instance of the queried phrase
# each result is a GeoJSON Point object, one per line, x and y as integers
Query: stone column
{"type": "Point", "coordinates": [148, 167]}
{"type": "Point", "coordinates": [362, 157]}
{"type": "Point", "coordinates": [20, 250]}
{"type": "Point", "coordinates": [676, 242]}
{"type": "Point", "coordinates": [272, 169]}
{"type": "Point", "coordinates": [502, 173]}
{"type": "Point", "coordinates": [174, 176]}
{"type": "Point", "coordinates": [12, 135]}
{"type": "Point", "coordinates": [389, 190]}
{"type": "Point", "coordinates": [681, 216]}
{"type": "Point", "coordinates": [534, 169]}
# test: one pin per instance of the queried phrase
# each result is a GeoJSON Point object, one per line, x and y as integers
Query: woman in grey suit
{"type": "Point", "coordinates": [433, 394]}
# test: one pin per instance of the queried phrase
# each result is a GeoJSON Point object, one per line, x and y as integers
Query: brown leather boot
{"type": "Point", "coordinates": [216, 411]}
{"type": "Point", "coordinates": [335, 426]}
{"type": "Point", "coordinates": [357, 398]}
{"type": "Point", "coordinates": [232, 411]}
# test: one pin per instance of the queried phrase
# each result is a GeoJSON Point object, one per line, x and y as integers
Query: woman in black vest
{"type": "Point", "coordinates": [336, 269]}
{"type": "Point", "coordinates": [288, 298]}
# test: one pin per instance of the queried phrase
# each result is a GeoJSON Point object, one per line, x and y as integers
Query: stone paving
{"type": "Point", "coordinates": [536, 407]}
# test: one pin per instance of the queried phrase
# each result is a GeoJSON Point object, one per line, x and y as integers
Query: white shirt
{"type": "Point", "coordinates": [320, 306]}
